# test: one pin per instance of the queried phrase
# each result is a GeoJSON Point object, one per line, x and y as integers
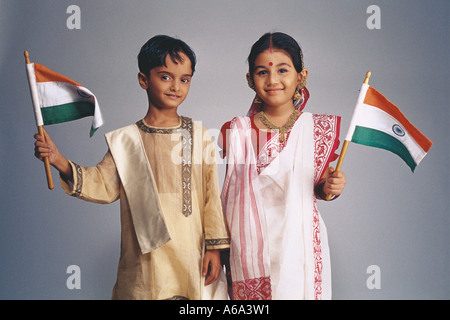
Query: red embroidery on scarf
{"type": "Point", "coordinates": [317, 252]}
{"type": "Point", "coordinates": [270, 151]}
{"type": "Point", "coordinates": [325, 129]}
{"type": "Point", "coordinates": [252, 289]}
{"type": "Point", "coordinates": [324, 137]}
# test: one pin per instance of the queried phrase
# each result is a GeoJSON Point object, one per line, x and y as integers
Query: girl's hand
{"type": "Point", "coordinates": [334, 183]}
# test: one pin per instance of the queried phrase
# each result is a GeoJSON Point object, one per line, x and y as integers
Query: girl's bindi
{"type": "Point", "coordinates": [270, 63]}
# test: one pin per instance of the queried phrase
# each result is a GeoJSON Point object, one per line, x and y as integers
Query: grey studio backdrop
{"type": "Point", "coordinates": [388, 232]}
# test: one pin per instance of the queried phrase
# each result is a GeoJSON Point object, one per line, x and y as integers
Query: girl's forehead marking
{"type": "Point", "coordinates": [270, 50]}
{"type": "Point", "coordinates": [270, 44]}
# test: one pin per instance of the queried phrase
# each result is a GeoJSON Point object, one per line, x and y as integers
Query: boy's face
{"type": "Point", "coordinates": [167, 87]}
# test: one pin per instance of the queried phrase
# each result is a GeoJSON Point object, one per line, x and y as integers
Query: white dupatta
{"type": "Point", "coordinates": [136, 175]}
{"type": "Point", "coordinates": [279, 246]}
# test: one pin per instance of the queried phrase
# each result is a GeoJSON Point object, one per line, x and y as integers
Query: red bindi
{"type": "Point", "coordinates": [270, 63]}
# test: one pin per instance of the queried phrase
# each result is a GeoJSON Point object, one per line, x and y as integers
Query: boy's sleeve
{"type": "Point", "coordinates": [215, 228]}
{"type": "Point", "coordinates": [99, 184]}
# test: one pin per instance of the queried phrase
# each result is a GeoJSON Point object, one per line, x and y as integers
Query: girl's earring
{"type": "Point", "coordinates": [251, 84]}
{"type": "Point", "coordinates": [303, 84]}
{"type": "Point", "coordinates": [257, 100]}
{"type": "Point", "coordinates": [298, 93]}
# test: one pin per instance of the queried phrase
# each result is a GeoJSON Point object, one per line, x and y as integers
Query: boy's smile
{"type": "Point", "coordinates": [167, 86]}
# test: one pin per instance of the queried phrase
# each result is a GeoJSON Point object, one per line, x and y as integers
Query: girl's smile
{"type": "Point", "coordinates": [273, 91]}
{"type": "Point", "coordinates": [275, 78]}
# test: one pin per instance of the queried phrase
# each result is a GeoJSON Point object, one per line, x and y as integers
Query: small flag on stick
{"type": "Point", "coordinates": [376, 122]}
{"type": "Point", "coordinates": [58, 99]}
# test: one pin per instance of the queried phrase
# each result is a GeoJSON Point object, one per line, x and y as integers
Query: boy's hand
{"type": "Point", "coordinates": [211, 266]}
{"type": "Point", "coordinates": [45, 149]}
{"type": "Point", "coordinates": [48, 149]}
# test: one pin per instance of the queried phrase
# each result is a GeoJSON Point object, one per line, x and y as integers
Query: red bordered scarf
{"type": "Point", "coordinates": [250, 265]}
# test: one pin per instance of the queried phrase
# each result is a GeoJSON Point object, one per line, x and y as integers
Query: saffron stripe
{"type": "Point", "coordinates": [379, 139]}
{"type": "Point", "coordinates": [44, 74]}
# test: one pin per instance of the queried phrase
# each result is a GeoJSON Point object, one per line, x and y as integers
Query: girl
{"type": "Point", "coordinates": [277, 160]}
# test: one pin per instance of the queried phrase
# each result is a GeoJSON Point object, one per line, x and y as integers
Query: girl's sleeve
{"type": "Point", "coordinates": [223, 138]}
{"type": "Point", "coordinates": [327, 138]}
{"type": "Point", "coordinates": [99, 184]}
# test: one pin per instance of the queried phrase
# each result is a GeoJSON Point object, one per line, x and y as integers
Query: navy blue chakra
{"type": "Point", "coordinates": [398, 130]}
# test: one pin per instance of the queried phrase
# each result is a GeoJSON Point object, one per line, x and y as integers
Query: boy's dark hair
{"type": "Point", "coordinates": [277, 40]}
{"type": "Point", "coordinates": [154, 52]}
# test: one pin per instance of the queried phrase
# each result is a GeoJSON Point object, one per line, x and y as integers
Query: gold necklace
{"type": "Point", "coordinates": [288, 126]}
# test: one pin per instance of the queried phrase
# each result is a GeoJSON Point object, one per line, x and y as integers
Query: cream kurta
{"type": "Point", "coordinates": [173, 270]}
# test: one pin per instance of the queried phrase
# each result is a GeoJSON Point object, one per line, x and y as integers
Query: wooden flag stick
{"type": "Point", "coordinates": [41, 133]}
{"type": "Point", "coordinates": [346, 142]}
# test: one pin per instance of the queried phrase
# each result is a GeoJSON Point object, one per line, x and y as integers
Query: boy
{"type": "Point", "coordinates": [163, 171]}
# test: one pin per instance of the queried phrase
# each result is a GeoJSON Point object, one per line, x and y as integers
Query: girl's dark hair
{"type": "Point", "coordinates": [277, 40]}
{"type": "Point", "coordinates": [154, 52]}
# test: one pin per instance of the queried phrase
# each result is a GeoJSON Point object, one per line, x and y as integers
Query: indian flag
{"type": "Point", "coordinates": [58, 99]}
{"type": "Point", "coordinates": [376, 122]}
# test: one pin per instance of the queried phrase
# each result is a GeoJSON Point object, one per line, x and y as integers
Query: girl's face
{"type": "Point", "coordinates": [276, 78]}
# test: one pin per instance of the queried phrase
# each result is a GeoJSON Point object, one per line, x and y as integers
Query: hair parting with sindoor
{"type": "Point", "coordinates": [276, 40]}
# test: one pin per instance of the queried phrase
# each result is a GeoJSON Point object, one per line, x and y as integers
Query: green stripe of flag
{"type": "Point", "coordinates": [379, 139]}
{"type": "Point", "coordinates": [67, 112]}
